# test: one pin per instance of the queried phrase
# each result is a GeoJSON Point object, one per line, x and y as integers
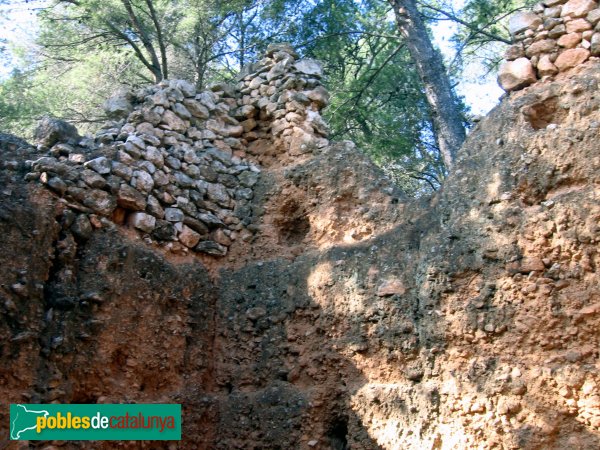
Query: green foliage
{"type": "Point", "coordinates": [89, 48]}
{"type": "Point", "coordinates": [482, 32]}
{"type": "Point", "coordinates": [68, 90]}
{"type": "Point", "coordinates": [377, 99]}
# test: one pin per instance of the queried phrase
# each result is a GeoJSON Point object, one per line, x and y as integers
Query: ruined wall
{"type": "Point", "coordinates": [556, 36]}
{"type": "Point", "coordinates": [176, 168]}
{"type": "Point", "coordinates": [353, 317]}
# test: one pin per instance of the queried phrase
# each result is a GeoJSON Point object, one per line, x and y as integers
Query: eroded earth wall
{"type": "Point", "coordinates": [349, 316]}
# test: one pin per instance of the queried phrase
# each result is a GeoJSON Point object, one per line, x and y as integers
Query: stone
{"type": "Point", "coordinates": [211, 248]}
{"type": "Point", "coordinates": [136, 141]}
{"type": "Point", "coordinates": [173, 121]}
{"type": "Point", "coordinates": [57, 185]}
{"type": "Point", "coordinates": [219, 155]}
{"type": "Point", "coordinates": [129, 198]}
{"type": "Point", "coordinates": [557, 32]}
{"type": "Point", "coordinates": [310, 67]}
{"type": "Point", "coordinates": [160, 99]}
{"type": "Point", "coordinates": [192, 170]}
{"type": "Point", "coordinates": [595, 47]}
{"type": "Point", "coordinates": [248, 178]}
{"type": "Point", "coordinates": [190, 156]}
{"type": "Point", "coordinates": [142, 181]}
{"type": "Point", "coordinates": [318, 124]}
{"type": "Point", "coordinates": [195, 225]}
{"type": "Point", "coordinates": [571, 58]}
{"type": "Point", "coordinates": [160, 178]}
{"type": "Point", "coordinates": [77, 158]}
{"type": "Point", "coordinates": [256, 82]}
{"type": "Point", "coordinates": [221, 237]}
{"type": "Point", "coordinates": [194, 134]}
{"type": "Point", "coordinates": [154, 207]}
{"type": "Point", "coordinates": [181, 111]}
{"type": "Point", "coordinates": [118, 106]}
{"type": "Point", "coordinates": [569, 40]}
{"type": "Point", "coordinates": [256, 313]}
{"type": "Point", "coordinates": [113, 183]}
{"type": "Point", "coordinates": [186, 88]}
{"type": "Point", "coordinates": [390, 287]}
{"type": "Point", "coordinates": [154, 155]}
{"type": "Point", "coordinates": [62, 149]}
{"type": "Point", "coordinates": [207, 99]}
{"type": "Point", "coordinates": [188, 237]}
{"type": "Point", "coordinates": [523, 20]}
{"type": "Point", "coordinates": [301, 98]}
{"type": "Point", "coordinates": [46, 164]}
{"type": "Point", "coordinates": [142, 221]}
{"type": "Point", "coordinates": [246, 112]}
{"type": "Point", "coordinates": [545, 67]}
{"type": "Point", "coordinates": [593, 16]}
{"type": "Point", "coordinates": [553, 12]}
{"type": "Point", "coordinates": [210, 220]}
{"type": "Point", "coordinates": [277, 71]}
{"type": "Point", "coordinates": [174, 94]}
{"type": "Point", "coordinates": [173, 162]}
{"type": "Point", "coordinates": [218, 194]}
{"type": "Point", "coordinates": [319, 96]}
{"type": "Point", "coordinates": [101, 202]}
{"type": "Point", "coordinates": [578, 8]}
{"type": "Point", "coordinates": [517, 74]}
{"type": "Point", "coordinates": [225, 130]}
{"type": "Point", "coordinates": [544, 46]}
{"type": "Point", "coordinates": [249, 125]}
{"type": "Point", "coordinates": [174, 215]}
{"type": "Point", "coordinates": [280, 47]}
{"type": "Point", "coordinates": [101, 165]}
{"type": "Point", "coordinates": [51, 131]}
{"type": "Point", "coordinates": [578, 25]}
{"type": "Point", "coordinates": [147, 166]}
{"type": "Point", "coordinates": [529, 264]}
{"type": "Point", "coordinates": [82, 228]}
{"type": "Point", "coordinates": [93, 179]}
{"type": "Point", "coordinates": [151, 117]}
{"type": "Point", "coordinates": [183, 180]}
{"type": "Point", "coordinates": [196, 108]}
{"type": "Point", "coordinates": [122, 170]}
{"type": "Point", "coordinates": [245, 194]}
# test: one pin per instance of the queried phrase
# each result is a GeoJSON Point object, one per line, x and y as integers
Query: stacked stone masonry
{"type": "Point", "coordinates": [180, 166]}
{"type": "Point", "coordinates": [557, 35]}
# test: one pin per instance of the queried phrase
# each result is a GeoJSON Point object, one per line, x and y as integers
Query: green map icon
{"type": "Point", "coordinates": [23, 420]}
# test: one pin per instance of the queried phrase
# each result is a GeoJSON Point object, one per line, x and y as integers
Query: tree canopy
{"type": "Point", "coordinates": [87, 49]}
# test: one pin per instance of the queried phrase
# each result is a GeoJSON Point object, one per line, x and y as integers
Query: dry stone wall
{"type": "Point", "coordinates": [180, 165]}
{"type": "Point", "coordinates": [556, 36]}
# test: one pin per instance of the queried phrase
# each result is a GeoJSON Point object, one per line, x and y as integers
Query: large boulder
{"type": "Point", "coordinates": [571, 58]}
{"type": "Point", "coordinates": [281, 47]}
{"type": "Point", "coordinates": [578, 8]}
{"type": "Point", "coordinates": [523, 20]}
{"type": "Point", "coordinates": [310, 67]}
{"type": "Point", "coordinates": [51, 131]}
{"type": "Point", "coordinates": [118, 105]}
{"type": "Point", "coordinates": [517, 74]}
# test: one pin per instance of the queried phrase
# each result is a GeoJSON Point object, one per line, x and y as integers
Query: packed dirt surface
{"type": "Point", "coordinates": [354, 318]}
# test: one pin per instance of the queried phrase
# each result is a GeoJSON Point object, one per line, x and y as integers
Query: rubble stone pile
{"type": "Point", "coordinates": [179, 165]}
{"type": "Point", "coordinates": [557, 35]}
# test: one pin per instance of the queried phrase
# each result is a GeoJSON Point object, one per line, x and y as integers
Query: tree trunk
{"type": "Point", "coordinates": [160, 38]}
{"type": "Point", "coordinates": [446, 117]}
{"type": "Point", "coordinates": [143, 35]}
